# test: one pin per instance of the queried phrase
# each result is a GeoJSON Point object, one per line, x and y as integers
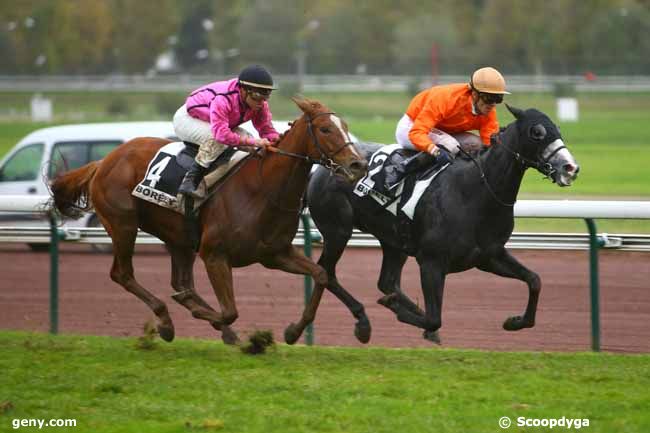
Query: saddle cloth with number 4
{"type": "Point", "coordinates": [167, 170]}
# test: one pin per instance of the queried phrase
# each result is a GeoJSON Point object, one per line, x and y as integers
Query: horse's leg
{"type": "Point", "coordinates": [389, 282]}
{"type": "Point", "coordinates": [335, 242]}
{"type": "Point", "coordinates": [220, 274]}
{"type": "Point", "coordinates": [395, 300]}
{"type": "Point", "coordinates": [293, 261]}
{"type": "Point", "coordinates": [123, 235]}
{"type": "Point", "coordinates": [432, 278]}
{"type": "Point", "coordinates": [506, 265]}
{"type": "Point", "coordinates": [183, 284]}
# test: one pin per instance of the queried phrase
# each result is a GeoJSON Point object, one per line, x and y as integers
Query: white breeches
{"type": "Point", "coordinates": [197, 131]}
{"type": "Point", "coordinates": [440, 138]}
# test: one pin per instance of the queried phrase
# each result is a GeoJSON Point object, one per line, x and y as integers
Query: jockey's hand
{"type": "Point", "coordinates": [262, 143]}
{"type": "Point", "coordinates": [258, 147]}
{"type": "Point", "coordinates": [441, 154]}
{"type": "Point", "coordinates": [444, 157]}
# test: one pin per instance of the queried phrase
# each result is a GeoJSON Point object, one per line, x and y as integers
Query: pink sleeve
{"type": "Point", "coordinates": [219, 114]}
{"type": "Point", "coordinates": [262, 122]}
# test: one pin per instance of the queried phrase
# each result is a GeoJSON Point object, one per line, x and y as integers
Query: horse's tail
{"type": "Point", "coordinates": [71, 191]}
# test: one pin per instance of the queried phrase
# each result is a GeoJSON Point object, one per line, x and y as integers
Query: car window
{"type": "Point", "coordinates": [74, 154]}
{"type": "Point", "coordinates": [24, 165]}
{"type": "Point", "coordinates": [100, 150]}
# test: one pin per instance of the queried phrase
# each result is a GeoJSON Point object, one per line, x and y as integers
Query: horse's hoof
{"type": "Point", "coordinates": [291, 334]}
{"type": "Point", "coordinates": [362, 331]}
{"type": "Point", "coordinates": [432, 336]}
{"type": "Point", "coordinates": [228, 336]}
{"type": "Point", "coordinates": [515, 323]}
{"type": "Point", "coordinates": [166, 332]}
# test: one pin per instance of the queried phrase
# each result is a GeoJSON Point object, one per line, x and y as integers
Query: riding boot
{"type": "Point", "coordinates": [408, 166]}
{"type": "Point", "coordinates": [192, 179]}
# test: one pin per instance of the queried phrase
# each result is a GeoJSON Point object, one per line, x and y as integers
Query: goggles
{"type": "Point", "coordinates": [259, 94]}
{"type": "Point", "coordinates": [491, 98]}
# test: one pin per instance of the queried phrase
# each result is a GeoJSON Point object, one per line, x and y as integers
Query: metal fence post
{"type": "Point", "coordinates": [54, 275]}
{"type": "Point", "coordinates": [594, 245]}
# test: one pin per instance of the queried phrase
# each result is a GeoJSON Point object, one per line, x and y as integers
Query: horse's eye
{"type": "Point", "coordinates": [538, 132]}
{"type": "Point", "coordinates": [324, 130]}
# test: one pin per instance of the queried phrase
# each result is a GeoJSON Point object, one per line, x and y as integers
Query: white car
{"type": "Point", "coordinates": [48, 152]}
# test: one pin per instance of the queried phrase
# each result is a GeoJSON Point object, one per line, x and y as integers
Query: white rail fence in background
{"type": "Point", "coordinates": [312, 83]}
{"type": "Point", "coordinates": [523, 208]}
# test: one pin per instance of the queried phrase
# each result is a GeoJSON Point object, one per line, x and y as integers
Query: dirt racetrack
{"type": "Point", "coordinates": [475, 304]}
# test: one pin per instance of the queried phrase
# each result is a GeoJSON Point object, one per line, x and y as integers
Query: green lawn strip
{"type": "Point", "coordinates": [108, 385]}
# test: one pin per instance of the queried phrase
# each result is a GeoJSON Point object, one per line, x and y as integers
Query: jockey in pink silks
{"type": "Point", "coordinates": [212, 114]}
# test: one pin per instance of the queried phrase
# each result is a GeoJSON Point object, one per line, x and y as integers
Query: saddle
{"type": "Point", "coordinates": [401, 199]}
{"type": "Point", "coordinates": [167, 169]}
{"type": "Point", "coordinates": [402, 196]}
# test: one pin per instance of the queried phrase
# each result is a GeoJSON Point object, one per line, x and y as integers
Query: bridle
{"type": "Point", "coordinates": [325, 160]}
{"type": "Point", "coordinates": [541, 163]}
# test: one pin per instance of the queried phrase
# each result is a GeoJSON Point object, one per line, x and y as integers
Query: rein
{"type": "Point", "coordinates": [325, 160]}
{"type": "Point", "coordinates": [484, 180]}
{"type": "Point", "coordinates": [542, 164]}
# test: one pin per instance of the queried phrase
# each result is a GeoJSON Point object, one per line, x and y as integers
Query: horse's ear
{"type": "Point", "coordinates": [303, 103]}
{"type": "Point", "coordinates": [515, 111]}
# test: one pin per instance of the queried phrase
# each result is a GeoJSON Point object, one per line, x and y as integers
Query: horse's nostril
{"type": "Point", "coordinates": [359, 166]}
{"type": "Point", "coordinates": [570, 169]}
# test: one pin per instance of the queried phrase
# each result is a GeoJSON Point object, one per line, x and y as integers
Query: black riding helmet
{"type": "Point", "coordinates": [256, 76]}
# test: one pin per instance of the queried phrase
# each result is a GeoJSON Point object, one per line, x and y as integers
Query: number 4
{"type": "Point", "coordinates": [156, 171]}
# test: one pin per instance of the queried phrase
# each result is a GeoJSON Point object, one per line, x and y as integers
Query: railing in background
{"type": "Point", "coordinates": [312, 83]}
{"type": "Point", "coordinates": [587, 210]}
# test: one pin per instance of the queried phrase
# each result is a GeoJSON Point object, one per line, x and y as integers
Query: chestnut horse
{"type": "Point", "coordinates": [252, 218]}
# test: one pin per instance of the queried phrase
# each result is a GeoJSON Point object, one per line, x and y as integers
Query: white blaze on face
{"type": "Point", "coordinates": [562, 160]}
{"type": "Point", "coordinates": [562, 154]}
{"type": "Point", "coordinates": [345, 135]}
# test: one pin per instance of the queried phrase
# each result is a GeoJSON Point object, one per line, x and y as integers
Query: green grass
{"type": "Point", "coordinates": [108, 385]}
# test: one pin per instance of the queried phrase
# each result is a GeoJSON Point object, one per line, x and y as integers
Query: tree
{"type": "Point", "coordinates": [414, 39]}
{"type": "Point", "coordinates": [77, 37]}
{"type": "Point", "coordinates": [267, 33]}
{"type": "Point", "coordinates": [617, 42]}
{"type": "Point", "coordinates": [192, 47]}
{"type": "Point", "coordinates": [141, 32]}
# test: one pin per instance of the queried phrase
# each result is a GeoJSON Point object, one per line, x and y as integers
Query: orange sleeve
{"type": "Point", "coordinates": [490, 127]}
{"type": "Point", "coordinates": [430, 115]}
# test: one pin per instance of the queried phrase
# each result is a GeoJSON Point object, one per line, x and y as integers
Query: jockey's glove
{"type": "Point", "coordinates": [443, 156]}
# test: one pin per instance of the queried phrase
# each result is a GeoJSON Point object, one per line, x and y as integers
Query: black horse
{"type": "Point", "coordinates": [462, 221]}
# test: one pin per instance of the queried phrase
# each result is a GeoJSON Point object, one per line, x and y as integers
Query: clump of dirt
{"type": "Point", "coordinates": [258, 341]}
{"type": "Point", "coordinates": [147, 341]}
{"type": "Point", "coordinates": [6, 406]}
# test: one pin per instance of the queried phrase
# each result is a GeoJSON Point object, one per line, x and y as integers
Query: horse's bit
{"type": "Point", "coordinates": [325, 160]}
